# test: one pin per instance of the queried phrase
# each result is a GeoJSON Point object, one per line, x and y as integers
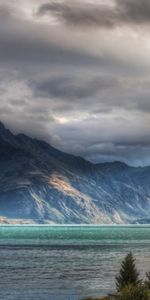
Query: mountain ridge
{"type": "Point", "coordinates": [41, 184]}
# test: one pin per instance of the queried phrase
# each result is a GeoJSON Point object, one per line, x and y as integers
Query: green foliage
{"type": "Point", "coordinates": [132, 292]}
{"type": "Point", "coordinates": [129, 287]}
{"type": "Point", "coordinates": [147, 281]}
{"type": "Point", "coordinates": [128, 273]}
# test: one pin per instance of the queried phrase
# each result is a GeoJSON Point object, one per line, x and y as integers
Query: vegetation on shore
{"type": "Point", "coordinates": [128, 284]}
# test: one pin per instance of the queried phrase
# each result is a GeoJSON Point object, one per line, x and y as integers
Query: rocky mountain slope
{"type": "Point", "coordinates": [39, 184]}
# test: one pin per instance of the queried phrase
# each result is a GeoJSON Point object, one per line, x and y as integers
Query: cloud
{"type": "Point", "coordinates": [6, 12]}
{"type": "Point", "coordinates": [84, 91]}
{"type": "Point", "coordinates": [79, 13]}
{"type": "Point", "coordinates": [24, 42]}
{"type": "Point", "coordinates": [108, 124]}
{"type": "Point", "coordinates": [84, 13]}
{"type": "Point", "coordinates": [73, 87]}
{"type": "Point", "coordinates": [96, 94]}
{"type": "Point", "coordinates": [107, 137]}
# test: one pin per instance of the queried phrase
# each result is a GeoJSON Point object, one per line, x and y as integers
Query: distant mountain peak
{"type": "Point", "coordinates": [42, 184]}
{"type": "Point", "coordinates": [2, 127]}
{"type": "Point", "coordinates": [118, 164]}
{"type": "Point", "coordinates": [7, 136]}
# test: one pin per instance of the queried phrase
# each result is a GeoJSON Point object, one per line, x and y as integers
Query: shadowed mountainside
{"type": "Point", "coordinates": [39, 183]}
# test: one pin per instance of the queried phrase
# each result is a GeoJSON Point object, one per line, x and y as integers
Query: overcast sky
{"type": "Point", "coordinates": [76, 73]}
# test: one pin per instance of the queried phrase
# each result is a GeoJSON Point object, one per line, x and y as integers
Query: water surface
{"type": "Point", "coordinates": [67, 262]}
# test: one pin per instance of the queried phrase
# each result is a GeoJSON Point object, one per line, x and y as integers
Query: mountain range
{"type": "Point", "coordinates": [40, 184]}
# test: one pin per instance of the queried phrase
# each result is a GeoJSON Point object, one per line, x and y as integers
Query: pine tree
{"type": "Point", "coordinates": [128, 273]}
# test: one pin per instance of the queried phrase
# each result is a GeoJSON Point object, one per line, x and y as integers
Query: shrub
{"type": "Point", "coordinates": [147, 281]}
{"type": "Point", "coordinates": [131, 292]}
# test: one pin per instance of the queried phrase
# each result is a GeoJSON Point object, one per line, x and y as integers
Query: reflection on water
{"type": "Point", "coordinates": [45, 263]}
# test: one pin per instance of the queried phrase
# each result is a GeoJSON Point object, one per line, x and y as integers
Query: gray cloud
{"type": "Point", "coordinates": [6, 12]}
{"type": "Point", "coordinates": [79, 13]}
{"type": "Point", "coordinates": [84, 91]}
{"type": "Point", "coordinates": [75, 87]}
{"type": "Point", "coordinates": [107, 124]}
{"type": "Point", "coordinates": [32, 45]}
{"type": "Point", "coordinates": [24, 43]}
{"type": "Point", "coordinates": [86, 14]}
{"type": "Point", "coordinates": [100, 94]}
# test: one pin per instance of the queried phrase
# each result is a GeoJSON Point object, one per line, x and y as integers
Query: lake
{"type": "Point", "coordinates": [67, 262]}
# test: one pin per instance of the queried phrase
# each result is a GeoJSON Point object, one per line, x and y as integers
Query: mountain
{"type": "Point", "coordinates": [40, 184]}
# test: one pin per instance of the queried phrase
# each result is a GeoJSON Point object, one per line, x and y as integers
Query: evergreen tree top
{"type": "Point", "coordinates": [128, 273]}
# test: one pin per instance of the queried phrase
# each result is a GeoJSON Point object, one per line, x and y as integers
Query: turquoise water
{"type": "Point", "coordinates": [67, 262]}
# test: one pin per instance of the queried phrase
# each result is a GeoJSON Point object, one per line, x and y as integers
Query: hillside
{"type": "Point", "coordinates": [39, 183]}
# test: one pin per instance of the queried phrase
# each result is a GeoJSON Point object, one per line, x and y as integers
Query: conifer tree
{"type": "Point", "coordinates": [128, 273]}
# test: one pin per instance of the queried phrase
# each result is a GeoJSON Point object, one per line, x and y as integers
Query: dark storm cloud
{"type": "Point", "coordinates": [86, 14]}
{"type": "Point", "coordinates": [21, 46]}
{"type": "Point", "coordinates": [75, 87]}
{"type": "Point", "coordinates": [84, 91]}
{"type": "Point", "coordinates": [24, 43]}
{"type": "Point", "coordinates": [98, 94]}
{"type": "Point", "coordinates": [79, 13]}
{"type": "Point", "coordinates": [107, 142]}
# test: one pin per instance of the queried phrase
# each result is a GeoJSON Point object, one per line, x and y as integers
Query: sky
{"type": "Point", "coordinates": [76, 73]}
